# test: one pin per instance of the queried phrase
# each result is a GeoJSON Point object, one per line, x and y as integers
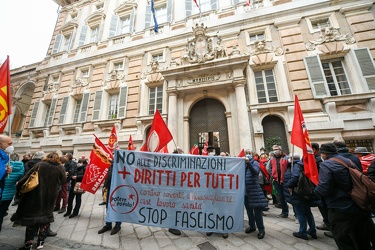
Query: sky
{"type": "Point", "coordinates": [26, 29]}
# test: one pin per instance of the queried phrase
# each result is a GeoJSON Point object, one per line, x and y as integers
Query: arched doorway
{"type": "Point", "coordinates": [209, 123]}
{"type": "Point", "coordinates": [23, 98]}
{"type": "Point", "coordinates": [274, 130]}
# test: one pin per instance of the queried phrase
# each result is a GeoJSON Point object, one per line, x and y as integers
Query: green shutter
{"type": "Point", "coordinates": [316, 76]}
{"type": "Point", "coordinates": [97, 104]}
{"type": "Point", "coordinates": [64, 107]}
{"type": "Point", "coordinates": [84, 107]}
{"type": "Point", "coordinates": [33, 114]}
{"type": "Point", "coordinates": [51, 112]}
{"type": "Point", "coordinates": [366, 64]}
{"type": "Point", "coordinates": [56, 46]}
{"type": "Point", "coordinates": [123, 98]}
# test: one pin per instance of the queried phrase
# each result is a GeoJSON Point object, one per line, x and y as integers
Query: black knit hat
{"type": "Point", "coordinates": [328, 148]}
{"type": "Point", "coordinates": [315, 145]}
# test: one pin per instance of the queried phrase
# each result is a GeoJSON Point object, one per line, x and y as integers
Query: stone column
{"type": "Point", "coordinates": [242, 115]}
{"type": "Point", "coordinates": [172, 115]}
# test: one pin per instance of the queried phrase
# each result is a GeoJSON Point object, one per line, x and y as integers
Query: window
{"type": "Point", "coordinates": [319, 24]}
{"type": "Point", "coordinates": [155, 100]}
{"type": "Point", "coordinates": [121, 24]}
{"type": "Point", "coordinates": [110, 105]}
{"type": "Point", "coordinates": [163, 13]}
{"type": "Point", "coordinates": [113, 106]}
{"type": "Point", "coordinates": [205, 5]}
{"type": "Point", "coordinates": [67, 42]}
{"type": "Point", "coordinates": [367, 67]}
{"type": "Point", "coordinates": [158, 57]}
{"type": "Point", "coordinates": [160, 14]}
{"type": "Point", "coordinates": [257, 37]}
{"type": "Point", "coordinates": [94, 35]}
{"type": "Point", "coordinates": [82, 36]}
{"type": "Point", "coordinates": [43, 113]}
{"type": "Point", "coordinates": [327, 77]}
{"type": "Point", "coordinates": [265, 85]}
{"type": "Point", "coordinates": [78, 111]}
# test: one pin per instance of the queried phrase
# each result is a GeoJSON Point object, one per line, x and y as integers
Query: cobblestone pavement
{"type": "Point", "coordinates": [81, 232]}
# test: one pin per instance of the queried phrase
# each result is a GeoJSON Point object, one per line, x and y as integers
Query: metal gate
{"type": "Point", "coordinates": [274, 127]}
{"type": "Point", "coordinates": [209, 123]}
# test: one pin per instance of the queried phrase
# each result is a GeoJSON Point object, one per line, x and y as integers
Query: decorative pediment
{"type": "Point", "coordinates": [125, 8]}
{"type": "Point", "coordinates": [80, 85]}
{"type": "Point", "coordinates": [95, 19]}
{"type": "Point", "coordinates": [68, 28]}
{"type": "Point", "coordinates": [113, 79]}
{"type": "Point", "coordinates": [327, 35]}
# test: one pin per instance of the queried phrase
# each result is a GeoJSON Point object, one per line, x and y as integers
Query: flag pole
{"type": "Point", "coordinates": [200, 12]}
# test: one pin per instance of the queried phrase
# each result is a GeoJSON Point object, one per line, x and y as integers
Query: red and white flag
{"type": "Point", "coordinates": [97, 169]}
{"type": "Point", "coordinates": [5, 94]}
{"type": "Point", "coordinates": [204, 151]}
{"type": "Point", "coordinates": [242, 153]}
{"type": "Point", "coordinates": [159, 135]}
{"type": "Point", "coordinates": [131, 144]}
{"type": "Point", "coordinates": [113, 140]}
{"type": "Point", "coordinates": [194, 150]}
{"type": "Point", "coordinates": [164, 150]}
{"type": "Point", "coordinates": [195, 1]}
{"type": "Point", "coordinates": [300, 138]}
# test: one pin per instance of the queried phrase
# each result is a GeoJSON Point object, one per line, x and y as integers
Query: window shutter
{"type": "Point", "coordinates": [316, 76]}
{"type": "Point", "coordinates": [169, 10]}
{"type": "Point", "coordinates": [82, 36]}
{"type": "Point", "coordinates": [123, 98]}
{"type": "Point", "coordinates": [57, 44]}
{"type": "Point", "coordinates": [113, 26]}
{"type": "Point", "coordinates": [366, 64]}
{"type": "Point", "coordinates": [131, 21]}
{"type": "Point", "coordinates": [84, 107]}
{"type": "Point", "coordinates": [213, 4]}
{"type": "Point", "coordinates": [71, 39]}
{"type": "Point", "coordinates": [97, 104]}
{"type": "Point", "coordinates": [33, 115]}
{"type": "Point", "coordinates": [51, 112]}
{"type": "Point", "coordinates": [188, 7]}
{"type": "Point", "coordinates": [64, 107]}
{"type": "Point", "coordinates": [148, 16]}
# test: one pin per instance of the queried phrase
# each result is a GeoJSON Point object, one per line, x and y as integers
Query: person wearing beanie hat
{"type": "Point", "coordinates": [350, 225]}
{"type": "Point", "coordinates": [343, 150]}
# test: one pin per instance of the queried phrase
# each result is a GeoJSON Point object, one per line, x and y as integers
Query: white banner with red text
{"type": "Point", "coordinates": [180, 191]}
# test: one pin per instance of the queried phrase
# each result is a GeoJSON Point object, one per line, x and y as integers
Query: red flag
{"type": "Point", "coordinates": [164, 150]}
{"type": "Point", "coordinates": [195, 1]}
{"type": "Point", "coordinates": [131, 144]}
{"type": "Point", "coordinates": [97, 169]}
{"type": "Point", "coordinates": [194, 150]}
{"type": "Point", "coordinates": [113, 141]}
{"type": "Point", "coordinates": [248, 2]}
{"type": "Point", "coordinates": [159, 135]}
{"type": "Point", "coordinates": [300, 138]}
{"type": "Point", "coordinates": [5, 94]}
{"type": "Point", "coordinates": [242, 153]}
{"type": "Point", "coordinates": [204, 151]}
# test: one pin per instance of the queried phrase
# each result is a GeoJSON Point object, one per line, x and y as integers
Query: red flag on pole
{"type": "Point", "coordinates": [159, 135]}
{"type": "Point", "coordinates": [204, 151]}
{"type": "Point", "coordinates": [300, 138]}
{"type": "Point", "coordinates": [242, 153]}
{"type": "Point", "coordinates": [113, 141]}
{"type": "Point", "coordinates": [248, 2]}
{"type": "Point", "coordinates": [5, 94]}
{"type": "Point", "coordinates": [194, 150]}
{"type": "Point", "coordinates": [131, 144]}
{"type": "Point", "coordinates": [164, 150]}
{"type": "Point", "coordinates": [195, 1]}
{"type": "Point", "coordinates": [97, 169]}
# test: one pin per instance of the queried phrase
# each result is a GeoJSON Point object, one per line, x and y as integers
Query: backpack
{"type": "Point", "coordinates": [363, 191]}
{"type": "Point", "coordinates": [304, 188]}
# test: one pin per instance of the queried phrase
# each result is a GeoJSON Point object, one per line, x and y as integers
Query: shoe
{"type": "Point", "coordinates": [174, 231]}
{"type": "Point", "coordinates": [29, 247]}
{"type": "Point", "coordinates": [73, 215]}
{"type": "Point", "coordinates": [328, 234]}
{"type": "Point", "coordinates": [115, 230]}
{"type": "Point", "coordinates": [39, 245]}
{"type": "Point", "coordinates": [278, 206]}
{"type": "Point", "coordinates": [50, 233]}
{"type": "Point", "coordinates": [16, 224]}
{"type": "Point", "coordinates": [313, 235]}
{"type": "Point", "coordinates": [225, 235]}
{"type": "Point", "coordinates": [261, 234]}
{"type": "Point", "coordinates": [282, 216]}
{"type": "Point", "coordinates": [263, 214]}
{"type": "Point", "coordinates": [250, 230]}
{"type": "Point", "coordinates": [299, 235]}
{"type": "Point", "coordinates": [104, 229]}
{"type": "Point", "coordinates": [56, 209]}
{"type": "Point", "coordinates": [265, 208]}
{"type": "Point", "coordinates": [62, 210]}
{"type": "Point", "coordinates": [209, 233]}
{"type": "Point", "coordinates": [102, 203]}
{"type": "Point", "coordinates": [67, 214]}
{"type": "Point", "coordinates": [324, 227]}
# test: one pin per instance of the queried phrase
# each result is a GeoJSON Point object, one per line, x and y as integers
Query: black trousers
{"type": "Point", "coordinates": [70, 202]}
{"type": "Point", "coordinates": [351, 231]}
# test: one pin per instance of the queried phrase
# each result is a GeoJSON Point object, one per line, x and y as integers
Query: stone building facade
{"type": "Point", "coordinates": [227, 75]}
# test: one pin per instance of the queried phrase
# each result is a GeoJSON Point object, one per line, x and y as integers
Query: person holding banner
{"type": "Point", "coordinates": [255, 202]}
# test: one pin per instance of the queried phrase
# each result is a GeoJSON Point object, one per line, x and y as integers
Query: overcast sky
{"type": "Point", "coordinates": [26, 29]}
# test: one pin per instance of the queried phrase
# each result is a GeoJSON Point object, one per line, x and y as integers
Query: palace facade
{"type": "Point", "coordinates": [227, 75]}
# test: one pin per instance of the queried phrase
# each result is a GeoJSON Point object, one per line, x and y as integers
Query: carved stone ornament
{"type": "Point", "coordinates": [260, 47]}
{"type": "Point", "coordinates": [113, 79]}
{"type": "Point", "coordinates": [154, 75]}
{"type": "Point", "coordinates": [329, 34]}
{"type": "Point", "coordinates": [202, 48]}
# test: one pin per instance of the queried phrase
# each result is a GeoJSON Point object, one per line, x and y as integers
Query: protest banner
{"type": "Point", "coordinates": [180, 191]}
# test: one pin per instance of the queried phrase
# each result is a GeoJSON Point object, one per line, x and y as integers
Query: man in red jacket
{"type": "Point", "coordinates": [365, 157]}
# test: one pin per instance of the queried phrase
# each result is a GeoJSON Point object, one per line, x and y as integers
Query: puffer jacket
{"type": "Point", "coordinates": [10, 182]}
{"type": "Point", "coordinates": [253, 190]}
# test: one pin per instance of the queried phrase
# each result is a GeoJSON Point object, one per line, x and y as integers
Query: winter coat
{"type": "Point", "coordinates": [291, 181]}
{"type": "Point", "coordinates": [36, 206]}
{"type": "Point", "coordinates": [371, 171]}
{"type": "Point", "coordinates": [79, 172]}
{"type": "Point", "coordinates": [30, 164]}
{"type": "Point", "coordinates": [4, 158]}
{"type": "Point", "coordinates": [10, 182]}
{"type": "Point", "coordinates": [274, 171]}
{"type": "Point", "coordinates": [253, 190]}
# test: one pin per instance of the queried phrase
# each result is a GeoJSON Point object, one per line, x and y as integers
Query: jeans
{"type": "Point", "coordinates": [254, 215]}
{"type": "Point", "coordinates": [280, 194]}
{"type": "Point", "coordinates": [305, 217]}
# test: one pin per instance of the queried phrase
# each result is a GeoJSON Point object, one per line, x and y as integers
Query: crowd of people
{"type": "Point", "coordinates": [269, 179]}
